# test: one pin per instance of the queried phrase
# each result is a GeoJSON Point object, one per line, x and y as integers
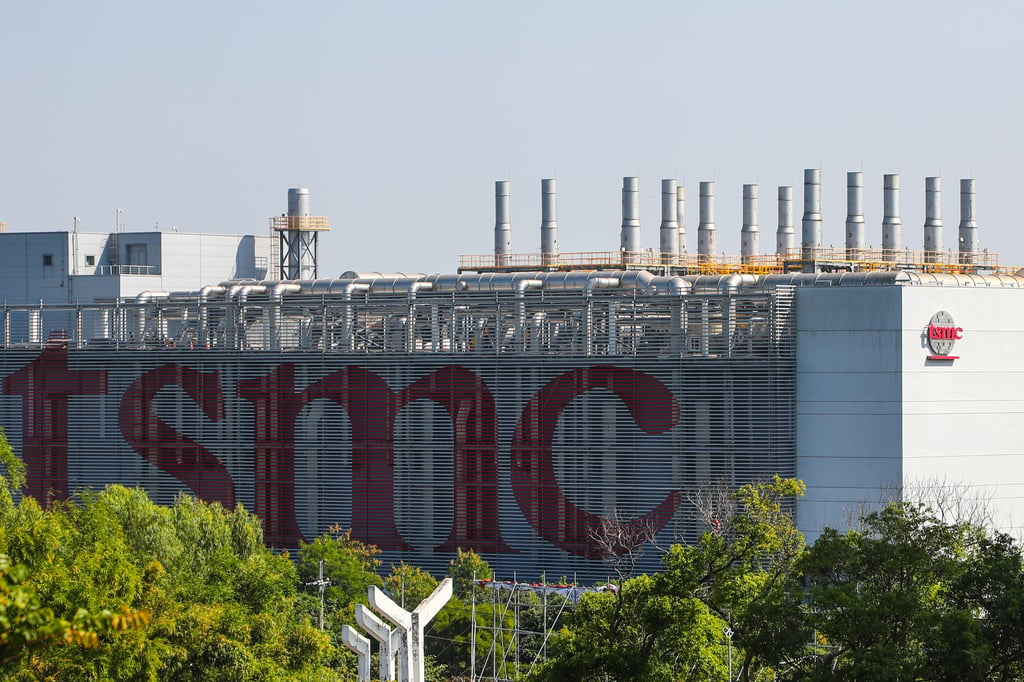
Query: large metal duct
{"type": "Point", "coordinates": [811, 237]}
{"type": "Point", "coordinates": [629, 237]}
{"type": "Point", "coordinates": [968, 230]}
{"type": "Point", "coordinates": [855, 234]}
{"type": "Point", "coordinates": [298, 240]}
{"type": "Point", "coordinates": [681, 216]}
{"type": "Point", "coordinates": [669, 230]}
{"type": "Point", "coordinates": [298, 201]}
{"type": "Point", "coordinates": [892, 227]}
{"type": "Point", "coordinates": [548, 222]}
{"type": "Point", "coordinates": [785, 237]}
{"type": "Point", "coordinates": [706, 231]}
{"type": "Point", "coordinates": [932, 220]}
{"type": "Point", "coordinates": [750, 237]}
{"type": "Point", "coordinates": [502, 223]}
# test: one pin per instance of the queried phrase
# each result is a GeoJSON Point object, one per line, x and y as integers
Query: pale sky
{"type": "Point", "coordinates": [399, 116]}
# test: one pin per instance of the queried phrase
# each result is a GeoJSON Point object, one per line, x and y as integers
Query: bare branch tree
{"type": "Point", "coordinates": [621, 543]}
{"type": "Point", "coordinates": [716, 505]}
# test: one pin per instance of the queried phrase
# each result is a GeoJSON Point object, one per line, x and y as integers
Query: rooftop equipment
{"type": "Point", "coordinates": [298, 233]}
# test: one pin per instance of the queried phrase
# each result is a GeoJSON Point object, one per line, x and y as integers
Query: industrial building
{"type": "Point", "coordinates": [515, 406]}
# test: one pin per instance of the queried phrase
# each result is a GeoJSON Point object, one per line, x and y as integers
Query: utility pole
{"type": "Point", "coordinates": [321, 585]}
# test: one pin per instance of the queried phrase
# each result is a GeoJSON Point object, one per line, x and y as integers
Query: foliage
{"type": "Point", "coordinates": [914, 597]}
{"type": "Point", "coordinates": [351, 567]}
{"type": "Point", "coordinates": [112, 586]}
{"type": "Point", "coordinates": [671, 626]}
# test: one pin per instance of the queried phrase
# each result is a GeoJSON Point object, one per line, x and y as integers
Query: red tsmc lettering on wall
{"type": "Point", "coordinates": [372, 407]}
{"type": "Point", "coordinates": [952, 333]}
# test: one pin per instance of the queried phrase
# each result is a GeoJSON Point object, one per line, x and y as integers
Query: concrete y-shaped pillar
{"type": "Point", "coordinates": [412, 623]}
{"type": "Point", "coordinates": [391, 641]}
{"type": "Point", "coordinates": [361, 647]}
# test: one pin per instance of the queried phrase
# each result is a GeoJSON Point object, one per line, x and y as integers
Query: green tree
{"type": "Point", "coordinates": [670, 626]}
{"type": "Point", "coordinates": [913, 597]}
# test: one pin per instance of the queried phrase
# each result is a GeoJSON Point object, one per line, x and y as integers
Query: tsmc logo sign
{"type": "Point", "coordinates": [942, 336]}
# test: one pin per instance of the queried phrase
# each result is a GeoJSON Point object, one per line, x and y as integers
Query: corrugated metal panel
{"type": "Point", "coordinates": [503, 423]}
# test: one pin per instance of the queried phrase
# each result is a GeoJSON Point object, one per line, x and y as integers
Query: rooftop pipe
{"type": "Point", "coordinates": [811, 238]}
{"type": "Point", "coordinates": [854, 215]}
{"type": "Point", "coordinates": [932, 219]}
{"type": "Point", "coordinates": [892, 227]}
{"type": "Point", "coordinates": [502, 223]}
{"type": "Point", "coordinates": [785, 237]}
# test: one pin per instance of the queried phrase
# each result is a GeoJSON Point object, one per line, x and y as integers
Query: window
{"type": "Point", "coordinates": [47, 259]}
{"type": "Point", "coordinates": [90, 260]}
{"type": "Point", "coordinates": [137, 254]}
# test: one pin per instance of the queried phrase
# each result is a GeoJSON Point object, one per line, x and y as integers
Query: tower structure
{"type": "Point", "coordinates": [298, 233]}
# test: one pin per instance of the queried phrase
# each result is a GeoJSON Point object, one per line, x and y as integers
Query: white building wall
{"type": "Point", "coordinates": [876, 418]}
{"type": "Point", "coordinates": [849, 421]}
{"type": "Point", "coordinates": [173, 262]}
{"type": "Point", "coordinates": [963, 420]}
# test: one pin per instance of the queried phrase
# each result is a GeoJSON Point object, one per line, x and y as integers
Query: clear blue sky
{"type": "Point", "coordinates": [399, 116]}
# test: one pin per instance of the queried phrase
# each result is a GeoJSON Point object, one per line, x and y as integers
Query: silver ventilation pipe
{"type": "Point", "coordinates": [141, 313]}
{"type": "Point", "coordinates": [681, 216]}
{"type": "Point", "coordinates": [669, 230]}
{"type": "Point", "coordinates": [629, 237]}
{"type": "Point", "coordinates": [892, 227]}
{"type": "Point", "coordinates": [785, 237]}
{"type": "Point", "coordinates": [750, 237]}
{"type": "Point", "coordinates": [205, 294]}
{"type": "Point", "coordinates": [932, 220]}
{"type": "Point", "coordinates": [348, 312]}
{"type": "Point", "coordinates": [277, 292]}
{"type": "Point", "coordinates": [298, 201]}
{"type": "Point", "coordinates": [549, 223]}
{"type": "Point", "coordinates": [855, 215]}
{"type": "Point", "coordinates": [968, 227]}
{"type": "Point", "coordinates": [502, 223]}
{"type": "Point", "coordinates": [240, 293]}
{"type": "Point", "coordinates": [811, 238]}
{"type": "Point", "coordinates": [706, 243]}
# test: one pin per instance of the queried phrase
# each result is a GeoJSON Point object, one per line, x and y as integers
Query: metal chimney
{"type": "Point", "coordinates": [968, 227]}
{"type": "Point", "coordinates": [297, 233]}
{"type": "Point", "coordinates": [548, 223]}
{"type": "Point", "coordinates": [855, 215]}
{"type": "Point", "coordinates": [932, 220]}
{"type": "Point", "coordinates": [706, 242]}
{"type": "Point", "coordinates": [811, 238]}
{"type": "Point", "coordinates": [298, 201]}
{"type": "Point", "coordinates": [681, 215]}
{"type": "Point", "coordinates": [669, 230]}
{"type": "Point", "coordinates": [502, 223]}
{"type": "Point", "coordinates": [750, 237]}
{"type": "Point", "coordinates": [629, 239]}
{"type": "Point", "coordinates": [785, 237]}
{"type": "Point", "coordinates": [892, 228]}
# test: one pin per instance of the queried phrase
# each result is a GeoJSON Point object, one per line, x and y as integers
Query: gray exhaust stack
{"type": "Point", "coordinates": [706, 241]}
{"type": "Point", "coordinates": [811, 238]}
{"type": "Point", "coordinates": [750, 237]}
{"type": "Point", "coordinates": [502, 224]}
{"type": "Point", "coordinates": [298, 202]}
{"type": "Point", "coordinates": [785, 237]}
{"type": "Point", "coordinates": [669, 230]}
{"type": "Point", "coordinates": [932, 220]}
{"type": "Point", "coordinates": [892, 228]}
{"type": "Point", "coordinates": [548, 223]}
{"type": "Point", "coordinates": [968, 227]}
{"type": "Point", "coordinates": [629, 239]}
{"type": "Point", "coordinates": [681, 214]}
{"type": "Point", "coordinates": [854, 215]}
